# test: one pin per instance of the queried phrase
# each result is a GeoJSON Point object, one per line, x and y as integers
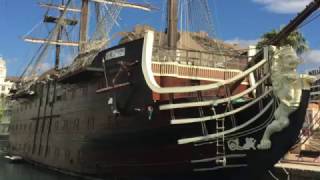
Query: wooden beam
{"type": "Point", "coordinates": [172, 24]}
{"type": "Point", "coordinates": [58, 7]}
{"type": "Point", "coordinates": [83, 26]}
{"type": "Point", "coordinates": [53, 42]}
{"type": "Point", "coordinates": [117, 86]}
{"type": "Point", "coordinates": [51, 19]}
{"type": "Point", "coordinates": [125, 4]}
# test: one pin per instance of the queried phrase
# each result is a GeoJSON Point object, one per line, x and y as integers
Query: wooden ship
{"type": "Point", "coordinates": [142, 108]}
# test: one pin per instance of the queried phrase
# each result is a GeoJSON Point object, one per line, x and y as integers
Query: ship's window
{"type": "Point", "coordinates": [67, 154]}
{"type": "Point", "coordinates": [57, 152]}
{"type": "Point", "coordinates": [41, 150]}
{"type": "Point", "coordinates": [73, 93]}
{"type": "Point", "coordinates": [91, 122]}
{"type": "Point", "coordinates": [76, 124]}
{"type": "Point", "coordinates": [79, 155]}
{"type": "Point", "coordinates": [85, 90]}
{"type": "Point", "coordinates": [64, 96]}
{"type": "Point", "coordinates": [65, 125]}
{"type": "Point", "coordinates": [56, 125]}
{"type": "Point", "coordinates": [28, 148]}
{"type": "Point", "coordinates": [59, 98]}
{"type": "Point", "coordinates": [24, 147]}
{"type": "Point", "coordinates": [48, 151]}
{"type": "Point", "coordinates": [101, 83]}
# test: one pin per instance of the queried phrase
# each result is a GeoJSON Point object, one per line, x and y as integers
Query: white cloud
{"type": "Point", "coordinates": [284, 6]}
{"type": "Point", "coordinates": [311, 57]}
{"type": "Point", "coordinates": [243, 43]}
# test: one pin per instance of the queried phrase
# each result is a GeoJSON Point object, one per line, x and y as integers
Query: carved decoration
{"type": "Point", "coordinates": [234, 145]}
{"type": "Point", "coordinates": [287, 86]}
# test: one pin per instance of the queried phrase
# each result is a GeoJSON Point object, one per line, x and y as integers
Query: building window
{"type": "Point", "coordinates": [3, 88]}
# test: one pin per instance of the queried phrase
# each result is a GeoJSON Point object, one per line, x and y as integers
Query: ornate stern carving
{"type": "Point", "coordinates": [234, 145]}
{"type": "Point", "coordinates": [287, 86]}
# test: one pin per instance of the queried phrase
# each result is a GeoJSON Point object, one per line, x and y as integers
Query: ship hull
{"type": "Point", "coordinates": [154, 151]}
{"type": "Point", "coordinates": [68, 126]}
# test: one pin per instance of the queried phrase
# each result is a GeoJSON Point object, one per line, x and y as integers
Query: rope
{"type": "Point", "coordinates": [32, 29]}
{"type": "Point", "coordinates": [272, 175]}
{"type": "Point", "coordinates": [311, 20]}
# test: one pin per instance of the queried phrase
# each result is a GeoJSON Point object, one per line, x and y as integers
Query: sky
{"type": "Point", "coordinates": [235, 21]}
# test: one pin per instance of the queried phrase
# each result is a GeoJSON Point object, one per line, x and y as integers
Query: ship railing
{"type": "Point", "coordinates": [211, 137]}
{"type": "Point", "coordinates": [199, 58]}
{"type": "Point", "coordinates": [175, 69]}
{"type": "Point", "coordinates": [260, 69]}
{"type": "Point", "coordinates": [150, 76]}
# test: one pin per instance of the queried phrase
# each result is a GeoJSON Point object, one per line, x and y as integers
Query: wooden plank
{"type": "Point", "coordinates": [112, 87]}
{"type": "Point", "coordinates": [41, 117]}
{"type": "Point", "coordinates": [94, 69]}
{"type": "Point", "coordinates": [125, 4]}
{"type": "Point", "coordinates": [52, 42]}
{"type": "Point", "coordinates": [58, 7]}
{"type": "Point", "coordinates": [51, 19]}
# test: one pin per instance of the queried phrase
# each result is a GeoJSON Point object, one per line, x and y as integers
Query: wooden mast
{"type": "Point", "coordinates": [172, 24]}
{"type": "Point", "coordinates": [83, 25]}
{"type": "Point", "coordinates": [58, 46]}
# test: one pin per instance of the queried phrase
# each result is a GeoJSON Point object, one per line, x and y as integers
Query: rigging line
{"type": "Point", "coordinates": [31, 61]}
{"type": "Point", "coordinates": [51, 35]}
{"type": "Point", "coordinates": [32, 29]}
{"type": "Point", "coordinates": [272, 175]}
{"type": "Point", "coordinates": [311, 20]}
{"type": "Point", "coordinates": [69, 39]}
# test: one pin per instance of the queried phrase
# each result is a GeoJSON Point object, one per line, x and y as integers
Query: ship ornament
{"type": "Point", "coordinates": [234, 144]}
{"type": "Point", "coordinates": [287, 87]}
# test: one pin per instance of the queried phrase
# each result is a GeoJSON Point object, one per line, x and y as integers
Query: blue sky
{"type": "Point", "coordinates": [236, 21]}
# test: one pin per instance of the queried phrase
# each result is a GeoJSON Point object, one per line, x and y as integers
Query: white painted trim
{"type": "Point", "coordinates": [216, 135]}
{"type": "Point", "coordinates": [153, 85]}
{"type": "Point", "coordinates": [219, 116]}
{"type": "Point", "coordinates": [175, 63]}
{"type": "Point", "coordinates": [220, 167]}
{"type": "Point", "coordinates": [215, 101]}
{"type": "Point", "coordinates": [218, 157]}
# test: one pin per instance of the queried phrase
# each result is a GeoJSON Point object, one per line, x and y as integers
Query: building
{"type": "Point", "coordinates": [5, 85]}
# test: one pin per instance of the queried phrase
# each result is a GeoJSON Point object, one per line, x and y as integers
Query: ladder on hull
{"type": "Point", "coordinates": [220, 141]}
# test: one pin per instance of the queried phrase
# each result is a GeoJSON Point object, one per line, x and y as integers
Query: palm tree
{"type": "Point", "coordinates": [295, 39]}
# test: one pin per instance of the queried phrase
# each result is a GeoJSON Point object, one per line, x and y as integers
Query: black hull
{"type": "Point", "coordinates": [80, 133]}
{"type": "Point", "coordinates": [155, 152]}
